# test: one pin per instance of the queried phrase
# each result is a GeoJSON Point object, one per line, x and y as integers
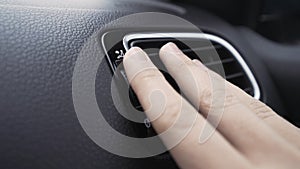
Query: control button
{"type": "Point", "coordinates": [120, 54]}
{"type": "Point", "coordinates": [147, 123]}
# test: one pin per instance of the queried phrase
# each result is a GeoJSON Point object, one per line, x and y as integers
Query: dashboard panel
{"type": "Point", "coordinates": [39, 47]}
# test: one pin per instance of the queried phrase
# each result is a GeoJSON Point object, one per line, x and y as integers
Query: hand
{"type": "Point", "coordinates": [249, 135]}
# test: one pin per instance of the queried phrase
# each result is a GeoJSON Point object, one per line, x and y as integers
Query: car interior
{"type": "Point", "coordinates": [256, 42]}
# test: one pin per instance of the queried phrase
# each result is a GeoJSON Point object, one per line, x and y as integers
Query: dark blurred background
{"type": "Point", "coordinates": [278, 20]}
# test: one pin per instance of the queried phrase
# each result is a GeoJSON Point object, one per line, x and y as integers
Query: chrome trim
{"type": "Point", "coordinates": [210, 37]}
{"type": "Point", "coordinates": [106, 51]}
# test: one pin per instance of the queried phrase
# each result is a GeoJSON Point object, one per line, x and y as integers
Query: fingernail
{"type": "Point", "coordinates": [136, 54]}
{"type": "Point", "coordinates": [171, 47]}
{"type": "Point", "coordinates": [198, 63]}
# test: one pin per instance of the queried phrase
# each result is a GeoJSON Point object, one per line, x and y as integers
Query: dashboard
{"type": "Point", "coordinates": [41, 43]}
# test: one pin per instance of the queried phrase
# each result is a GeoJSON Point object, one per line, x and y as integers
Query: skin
{"type": "Point", "coordinates": [249, 133]}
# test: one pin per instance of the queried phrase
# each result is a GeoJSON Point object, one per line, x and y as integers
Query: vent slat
{"type": "Point", "coordinates": [240, 74]}
{"type": "Point", "coordinates": [205, 48]}
{"type": "Point", "coordinates": [248, 89]}
{"type": "Point", "coordinates": [223, 61]}
{"type": "Point", "coordinates": [234, 72]}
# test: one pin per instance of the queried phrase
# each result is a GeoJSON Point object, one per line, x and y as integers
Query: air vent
{"type": "Point", "coordinates": [212, 51]}
{"type": "Point", "coordinates": [235, 69]}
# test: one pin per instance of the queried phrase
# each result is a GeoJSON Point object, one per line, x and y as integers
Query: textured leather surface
{"type": "Point", "coordinates": [39, 127]}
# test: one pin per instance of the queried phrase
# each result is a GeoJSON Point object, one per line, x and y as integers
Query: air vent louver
{"type": "Point", "coordinates": [200, 45]}
{"type": "Point", "coordinates": [236, 70]}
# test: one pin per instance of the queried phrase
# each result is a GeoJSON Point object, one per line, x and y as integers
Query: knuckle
{"type": "Point", "coordinates": [171, 112]}
{"type": "Point", "coordinates": [260, 109]}
{"type": "Point", "coordinates": [186, 64]}
{"type": "Point", "coordinates": [205, 99]}
{"type": "Point", "coordinates": [217, 99]}
{"type": "Point", "coordinates": [212, 94]}
{"type": "Point", "coordinates": [147, 75]}
{"type": "Point", "coordinates": [230, 99]}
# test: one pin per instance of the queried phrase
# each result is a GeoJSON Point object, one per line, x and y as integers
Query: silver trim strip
{"type": "Point", "coordinates": [106, 51]}
{"type": "Point", "coordinates": [210, 37]}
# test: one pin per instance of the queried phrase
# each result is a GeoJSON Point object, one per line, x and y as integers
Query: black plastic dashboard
{"type": "Point", "coordinates": [39, 46]}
